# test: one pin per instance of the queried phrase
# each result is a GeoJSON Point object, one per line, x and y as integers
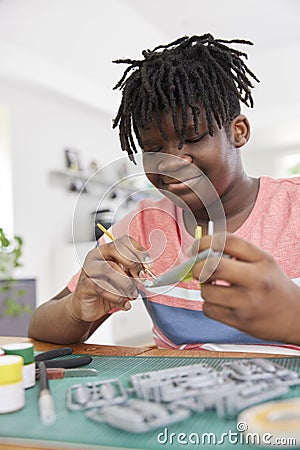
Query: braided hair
{"type": "Point", "coordinates": [190, 72]}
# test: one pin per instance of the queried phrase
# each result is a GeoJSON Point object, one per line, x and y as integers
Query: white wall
{"type": "Point", "coordinates": [6, 181]}
{"type": "Point", "coordinates": [42, 125]}
{"type": "Point", "coordinates": [56, 79]}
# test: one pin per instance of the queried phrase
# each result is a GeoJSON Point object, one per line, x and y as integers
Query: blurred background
{"type": "Point", "coordinates": [56, 79]}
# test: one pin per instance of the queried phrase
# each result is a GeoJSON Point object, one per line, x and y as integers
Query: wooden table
{"type": "Point", "coordinates": [111, 350]}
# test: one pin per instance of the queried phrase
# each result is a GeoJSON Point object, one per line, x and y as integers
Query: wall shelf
{"type": "Point", "coordinates": [78, 180]}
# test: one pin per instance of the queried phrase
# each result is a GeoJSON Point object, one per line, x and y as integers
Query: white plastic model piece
{"type": "Point", "coordinates": [260, 369]}
{"type": "Point", "coordinates": [93, 395]}
{"type": "Point", "coordinates": [174, 383]}
{"type": "Point", "coordinates": [139, 416]}
{"type": "Point", "coordinates": [160, 397]}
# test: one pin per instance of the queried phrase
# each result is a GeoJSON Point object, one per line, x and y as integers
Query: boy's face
{"type": "Point", "coordinates": [186, 175]}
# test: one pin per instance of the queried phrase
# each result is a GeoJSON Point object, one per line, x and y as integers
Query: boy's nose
{"type": "Point", "coordinates": [170, 162]}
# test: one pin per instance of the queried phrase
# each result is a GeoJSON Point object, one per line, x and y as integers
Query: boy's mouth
{"type": "Point", "coordinates": [177, 186]}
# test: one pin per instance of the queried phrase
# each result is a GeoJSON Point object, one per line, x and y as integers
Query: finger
{"type": "Point", "coordinates": [102, 291]}
{"type": "Point", "coordinates": [109, 307]}
{"type": "Point", "coordinates": [224, 296]}
{"type": "Point", "coordinates": [112, 286]}
{"type": "Point", "coordinates": [127, 252]}
{"type": "Point", "coordinates": [232, 245]}
{"type": "Point", "coordinates": [111, 272]}
{"type": "Point", "coordinates": [139, 257]}
{"type": "Point", "coordinates": [232, 271]}
{"type": "Point", "coordinates": [107, 292]}
{"type": "Point", "coordinates": [241, 318]}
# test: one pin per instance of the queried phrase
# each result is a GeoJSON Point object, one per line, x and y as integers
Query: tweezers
{"type": "Point", "coordinates": [67, 363]}
{"type": "Point", "coordinates": [182, 272]}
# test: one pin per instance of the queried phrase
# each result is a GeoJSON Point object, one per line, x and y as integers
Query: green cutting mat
{"type": "Point", "coordinates": [75, 430]}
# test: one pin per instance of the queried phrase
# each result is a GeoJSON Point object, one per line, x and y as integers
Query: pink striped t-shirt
{"type": "Point", "coordinates": [273, 225]}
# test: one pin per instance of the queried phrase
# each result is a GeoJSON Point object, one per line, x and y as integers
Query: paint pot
{"type": "Point", "coordinates": [26, 350]}
{"type": "Point", "coordinates": [12, 392]}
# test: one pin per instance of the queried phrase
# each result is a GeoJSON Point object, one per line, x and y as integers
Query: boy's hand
{"type": "Point", "coordinates": [257, 297]}
{"type": "Point", "coordinates": [109, 279]}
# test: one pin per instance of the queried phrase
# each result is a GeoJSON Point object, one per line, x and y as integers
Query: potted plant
{"type": "Point", "coordinates": [10, 254]}
{"type": "Point", "coordinates": [12, 293]}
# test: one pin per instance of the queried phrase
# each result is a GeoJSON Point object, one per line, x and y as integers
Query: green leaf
{"type": "Point", "coordinates": [27, 309]}
{"type": "Point", "coordinates": [295, 170]}
{"type": "Point", "coordinates": [16, 246]}
{"type": "Point", "coordinates": [12, 308]}
{"type": "Point", "coordinates": [21, 292]}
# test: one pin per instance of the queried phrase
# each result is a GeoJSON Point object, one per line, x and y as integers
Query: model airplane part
{"type": "Point", "coordinates": [97, 394]}
{"type": "Point", "coordinates": [157, 398]}
{"type": "Point", "coordinates": [139, 416]}
{"type": "Point", "coordinates": [182, 272]}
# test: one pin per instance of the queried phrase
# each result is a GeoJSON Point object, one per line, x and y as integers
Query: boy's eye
{"type": "Point", "coordinates": [153, 150]}
{"type": "Point", "coordinates": [196, 138]}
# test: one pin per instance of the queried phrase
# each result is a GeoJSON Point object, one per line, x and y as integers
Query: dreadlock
{"type": "Point", "coordinates": [191, 72]}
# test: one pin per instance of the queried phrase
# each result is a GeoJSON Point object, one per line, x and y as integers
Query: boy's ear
{"type": "Point", "coordinates": [240, 131]}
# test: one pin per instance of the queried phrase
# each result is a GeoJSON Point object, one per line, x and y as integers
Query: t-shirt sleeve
{"type": "Point", "coordinates": [73, 282]}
